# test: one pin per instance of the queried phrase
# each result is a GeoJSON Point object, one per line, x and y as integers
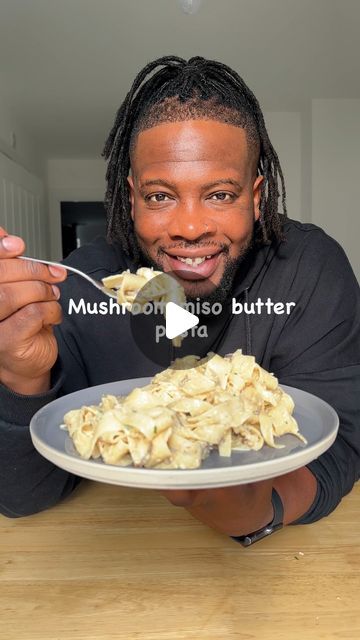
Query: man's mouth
{"type": "Point", "coordinates": [194, 265]}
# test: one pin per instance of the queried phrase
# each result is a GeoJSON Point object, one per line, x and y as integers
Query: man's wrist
{"type": "Point", "coordinates": [256, 515]}
{"type": "Point", "coordinates": [26, 386]}
{"type": "Point", "coordinates": [276, 523]}
{"type": "Point", "coordinates": [267, 516]}
{"type": "Point", "coordinates": [18, 409]}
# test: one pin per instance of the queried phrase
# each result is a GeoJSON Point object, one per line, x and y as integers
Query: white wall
{"type": "Point", "coordinates": [22, 210]}
{"type": "Point", "coordinates": [336, 171]}
{"type": "Point", "coordinates": [25, 152]}
{"type": "Point", "coordinates": [285, 133]}
{"type": "Point", "coordinates": [78, 173]}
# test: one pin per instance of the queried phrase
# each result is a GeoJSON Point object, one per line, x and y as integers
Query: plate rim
{"type": "Point", "coordinates": [171, 478]}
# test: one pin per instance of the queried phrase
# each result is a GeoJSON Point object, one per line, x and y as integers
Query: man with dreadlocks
{"type": "Point", "coordinates": [192, 188]}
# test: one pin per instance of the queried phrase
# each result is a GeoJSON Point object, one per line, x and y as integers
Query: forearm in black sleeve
{"type": "Point", "coordinates": [319, 351]}
{"type": "Point", "coordinates": [337, 469]}
{"type": "Point", "coordinates": [28, 482]}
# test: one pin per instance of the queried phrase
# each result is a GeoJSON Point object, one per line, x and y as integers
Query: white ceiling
{"type": "Point", "coordinates": [65, 65]}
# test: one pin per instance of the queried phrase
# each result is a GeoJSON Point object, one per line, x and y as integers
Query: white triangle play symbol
{"type": "Point", "coordinates": [178, 320]}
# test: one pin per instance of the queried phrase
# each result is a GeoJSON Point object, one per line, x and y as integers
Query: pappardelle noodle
{"type": "Point", "coordinates": [146, 286]}
{"type": "Point", "coordinates": [225, 403]}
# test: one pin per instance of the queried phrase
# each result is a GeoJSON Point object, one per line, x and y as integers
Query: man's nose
{"type": "Point", "coordinates": [191, 223]}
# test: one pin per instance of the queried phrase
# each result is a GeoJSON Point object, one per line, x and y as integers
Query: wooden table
{"type": "Point", "coordinates": [124, 564]}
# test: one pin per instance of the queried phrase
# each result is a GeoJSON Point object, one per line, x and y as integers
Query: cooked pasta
{"type": "Point", "coordinates": [174, 422]}
{"type": "Point", "coordinates": [133, 289]}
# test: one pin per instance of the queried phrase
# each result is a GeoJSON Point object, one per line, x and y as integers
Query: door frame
{"type": "Point", "coordinates": [56, 196]}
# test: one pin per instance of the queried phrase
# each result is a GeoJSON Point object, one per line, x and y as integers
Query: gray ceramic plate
{"type": "Point", "coordinates": [317, 421]}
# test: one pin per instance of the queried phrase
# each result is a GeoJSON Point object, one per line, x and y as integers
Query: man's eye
{"type": "Point", "coordinates": [222, 196]}
{"type": "Point", "coordinates": [157, 197]}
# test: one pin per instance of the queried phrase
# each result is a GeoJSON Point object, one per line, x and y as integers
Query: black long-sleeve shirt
{"type": "Point", "coordinates": [316, 348]}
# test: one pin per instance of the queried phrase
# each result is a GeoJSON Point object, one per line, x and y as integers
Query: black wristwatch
{"type": "Point", "coordinates": [274, 525]}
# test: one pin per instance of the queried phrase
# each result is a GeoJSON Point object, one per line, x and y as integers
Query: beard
{"type": "Point", "coordinates": [218, 293]}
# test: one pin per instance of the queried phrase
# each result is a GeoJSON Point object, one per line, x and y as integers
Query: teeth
{"type": "Point", "coordinates": [190, 261]}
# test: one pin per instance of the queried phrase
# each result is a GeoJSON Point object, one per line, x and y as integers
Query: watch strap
{"type": "Point", "coordinates": [274, 525]}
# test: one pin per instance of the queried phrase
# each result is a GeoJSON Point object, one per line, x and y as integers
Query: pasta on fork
{"type": "Point", "coordinates": [135, 290]}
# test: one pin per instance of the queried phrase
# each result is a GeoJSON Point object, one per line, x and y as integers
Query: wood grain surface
{"type": "Point", "coordinates": [124, 564]}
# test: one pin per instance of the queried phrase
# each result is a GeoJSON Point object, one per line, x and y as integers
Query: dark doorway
{"type": "Point", "coordinates": [81, 222]}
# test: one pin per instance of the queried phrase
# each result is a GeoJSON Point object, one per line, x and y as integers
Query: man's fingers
{"type": "Point", "coordinates": [15, 271]}
{"type": "Point", "coordinates": [24, 270]}
{"type": "Point", "coordinates": [180, 498]}
{"type": "Point", "coordinates": [38, 315]}
{"type": "Point", "coordinates": [10, 246]}
{"type": "Point", "coordinates": [27, 322]}
{"type": "Point", "coordinates": [28, 310]}
{"type": "Point", "coordinates": [15, 295]}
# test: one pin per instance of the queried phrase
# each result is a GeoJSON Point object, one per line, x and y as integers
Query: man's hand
{"type": "Point", "coordinates": [234, 511]}
{"type": "Point", "coordinates": [237, 511]}
{"type": "Point", "coordinates": [28, 310]}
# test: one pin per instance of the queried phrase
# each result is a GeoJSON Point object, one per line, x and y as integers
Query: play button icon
{"type": "Point", "coordinates": [161, 336]}
{"type": "Point", "coordinates": [178, 320]}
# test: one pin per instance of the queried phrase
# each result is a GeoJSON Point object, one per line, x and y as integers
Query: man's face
{"type": "Point", "coordinates": [194, 200]}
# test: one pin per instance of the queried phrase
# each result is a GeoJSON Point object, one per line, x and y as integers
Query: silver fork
{"type": "Point", "coordinates": [108, 292]}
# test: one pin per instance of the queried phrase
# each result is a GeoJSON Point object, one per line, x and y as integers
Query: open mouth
{"type": "Point", "coordinates": [194, 267]}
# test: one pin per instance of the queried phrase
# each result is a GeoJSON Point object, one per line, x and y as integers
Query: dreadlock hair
{"type": "Point", "coordinates": [172, 89]}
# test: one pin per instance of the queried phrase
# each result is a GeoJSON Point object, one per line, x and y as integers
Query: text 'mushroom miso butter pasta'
{"type": "Point", "coordinates": [174, 422]}
{"type": "Point", "coordinates": [144, 286]}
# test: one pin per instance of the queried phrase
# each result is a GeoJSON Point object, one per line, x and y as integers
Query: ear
{"type": "Point", "coordinates": [132, 196]}
{"type": "Point", "coordinates": [257, 196]}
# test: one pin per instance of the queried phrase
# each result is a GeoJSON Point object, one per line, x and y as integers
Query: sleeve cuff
{"type": "Point", "coordinates": [19, 409]}
{"type": "Point", "coordinates": [315, 510]}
